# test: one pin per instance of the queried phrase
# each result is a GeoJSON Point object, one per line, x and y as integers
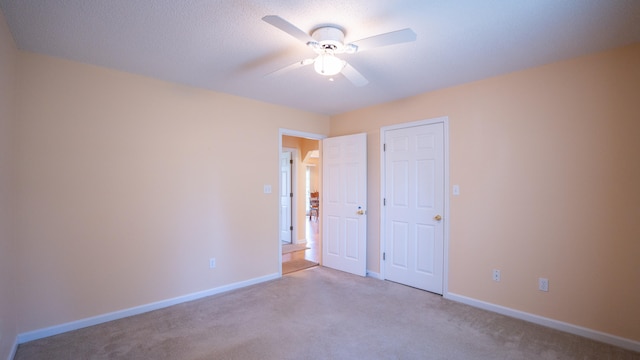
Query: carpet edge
{"type": "Point", "coordinates": [307, 264]}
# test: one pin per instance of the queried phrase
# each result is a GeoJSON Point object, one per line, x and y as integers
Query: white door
{"type": "Point", "coordinates": [343, 203]}
{"type": "Point", "coordinates": [286, 194]}
{"type": "Point", "coordinates": [414, 206]}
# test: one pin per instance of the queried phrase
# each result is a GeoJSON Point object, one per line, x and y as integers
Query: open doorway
{"type": "Point", "coordinates": [305, 248]}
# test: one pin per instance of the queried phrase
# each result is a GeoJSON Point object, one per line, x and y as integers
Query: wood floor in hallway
{"type": "Point", "coordinates": [313, 244]}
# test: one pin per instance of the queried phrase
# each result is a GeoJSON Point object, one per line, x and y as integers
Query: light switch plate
{"type": "Point", "coordinates": [456, 190]}
{"type": "Point", "coordinates": [267, 189]}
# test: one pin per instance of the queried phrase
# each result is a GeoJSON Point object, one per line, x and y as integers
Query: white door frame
{"type": "Point", "coordinates": [300, 134]}
{"type": "Point", "coordinates": [445, 121]}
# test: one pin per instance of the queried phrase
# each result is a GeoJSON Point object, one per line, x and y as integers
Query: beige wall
{"type": "Point", "coordinates": [8, 71]}
{"type": "Point", "coordinates": [128, 185]}
{"type": "Point", "coordinates": [548, 165]}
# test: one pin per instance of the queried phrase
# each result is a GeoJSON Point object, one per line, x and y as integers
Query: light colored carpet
{"type": "Point", "coordinates": [296, 265]}
{"type": "Point", "coordinates": [319, 314]}
{"type": "Point", "coordinates": [289, 248]}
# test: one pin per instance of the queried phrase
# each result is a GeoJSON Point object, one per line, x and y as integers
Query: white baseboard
{"type": "Point", "coordinates": [14, 348]}
{"type": "Point", "coordinates": [374, 275]}
{"type": "Point", "coordinates": [551, 323]}
{"type": "Point", "coordinates": [79, 324]}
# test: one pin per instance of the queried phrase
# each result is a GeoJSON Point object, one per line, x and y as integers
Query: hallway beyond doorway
{"type": "Point", "coordinates": [312, 253]}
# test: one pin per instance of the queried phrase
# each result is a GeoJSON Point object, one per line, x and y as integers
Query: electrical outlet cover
{"type": "Point", "coordinates": [543, 284]}
{"type": "Point", "coordinates": [496, 275]}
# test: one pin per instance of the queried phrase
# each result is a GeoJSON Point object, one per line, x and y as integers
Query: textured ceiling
{"type": "Point", "coordinates": [225, 46]}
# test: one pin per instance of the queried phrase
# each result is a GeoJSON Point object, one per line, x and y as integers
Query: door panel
{"type": "Point", "coordinates": [425, 245]}
{"type": "Point", "coordinates": [332, 232]}
{"type": "Point", "coordinates": [344, 202]}
{"type": "Point", "coordinates": [400, 243]}
{"type": "Point", "coordinates": [414, 194]}
{"type": "Point", "coordinates": [286, 233]}
{"type": "Point", "coordinates": [352, 228]}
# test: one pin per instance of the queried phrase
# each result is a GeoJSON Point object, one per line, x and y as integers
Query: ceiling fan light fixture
{"type": "Point", "coordinates": [328, 65]}
{"type": "Point", "coordinates": [328, 41]}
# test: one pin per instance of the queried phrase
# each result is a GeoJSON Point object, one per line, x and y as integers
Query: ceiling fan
{"type": "Point", "coordinates": [328, 41]}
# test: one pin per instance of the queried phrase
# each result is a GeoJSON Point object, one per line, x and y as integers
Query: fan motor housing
{"type": "Point", "coordinates": [329, 38]}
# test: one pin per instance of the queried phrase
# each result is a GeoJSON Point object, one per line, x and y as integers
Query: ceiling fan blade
{"type": "Point", "coordinates": [288, 27]}
{"type": "Point", "coordinates": [390, 38]}
{"type": "Point", "coordinates": [288, 68]}
{"type": "Point", "coordinates": [354, 75]}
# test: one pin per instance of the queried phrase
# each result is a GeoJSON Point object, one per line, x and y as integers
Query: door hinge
{"type": "Point", "coordinates": [290, 161]}
{"type": "Point", "coordinates": [290, 194]}
{"type": "Point", "coordinates": [384, 201]}
{"type": "Point", "coordinates": [384, 256]}
{"type": "Point", "coordinates": [291, 227]}
{"type": "Point", "coordinates": [384, 147]}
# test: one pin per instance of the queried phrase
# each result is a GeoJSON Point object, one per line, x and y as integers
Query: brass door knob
{"type": "Point", "coordinates": [437, 218]}
{"type": "Point", "coordinates": [360, 212]}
